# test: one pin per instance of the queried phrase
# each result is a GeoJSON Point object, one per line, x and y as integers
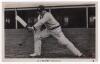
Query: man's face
{"type": "Point", "coordinates": [39, 11]}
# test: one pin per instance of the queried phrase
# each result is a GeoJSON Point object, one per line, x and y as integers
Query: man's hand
{"type": "Point", "coordinates": [30, 28]}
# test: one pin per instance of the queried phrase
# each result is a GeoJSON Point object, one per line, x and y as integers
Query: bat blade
{"type": "Point", "coordinates": [21, 21]}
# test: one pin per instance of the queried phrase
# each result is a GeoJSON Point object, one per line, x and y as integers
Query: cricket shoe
{"type": "Point", "coordinates": [34, 55]}
{"type": "Point", "coordinates": [83, 56]}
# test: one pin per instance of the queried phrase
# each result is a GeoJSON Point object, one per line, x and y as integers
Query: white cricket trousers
{"type": "Point", "coordinates": [58, 34]}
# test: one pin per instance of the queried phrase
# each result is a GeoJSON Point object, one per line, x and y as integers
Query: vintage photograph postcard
{"type": "Point", "coordinates": [50, 31]}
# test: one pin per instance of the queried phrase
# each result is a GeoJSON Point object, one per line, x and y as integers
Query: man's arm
{"type": "Point", "coordinates": [41, 21]}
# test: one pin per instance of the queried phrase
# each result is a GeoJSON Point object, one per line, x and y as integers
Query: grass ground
{"type": "Point", "coordinates": [82, 38]}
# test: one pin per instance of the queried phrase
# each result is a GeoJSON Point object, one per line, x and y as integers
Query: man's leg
{"type": "Point", "coordinates": [37, 45]}
{"type": "Point", "coordinates": [37, 41]}
{"type": "Point", "coordinates": [64, 41]}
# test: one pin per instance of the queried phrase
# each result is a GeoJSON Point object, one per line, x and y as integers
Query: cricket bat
{"type": "Point", "coordinates": [21, 21]}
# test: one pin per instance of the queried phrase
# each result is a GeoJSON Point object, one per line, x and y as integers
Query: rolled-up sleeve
{"type": "Point", "coordinates": [42, 21]}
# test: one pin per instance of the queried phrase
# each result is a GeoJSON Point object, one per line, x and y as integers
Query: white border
{"type": "Point", "coordinates": [48, 59]}
{"type": "Point", "coordinates": [49, 63]}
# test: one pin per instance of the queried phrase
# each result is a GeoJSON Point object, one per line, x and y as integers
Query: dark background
{"type": "Point", "coordinates": [76, 17]}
